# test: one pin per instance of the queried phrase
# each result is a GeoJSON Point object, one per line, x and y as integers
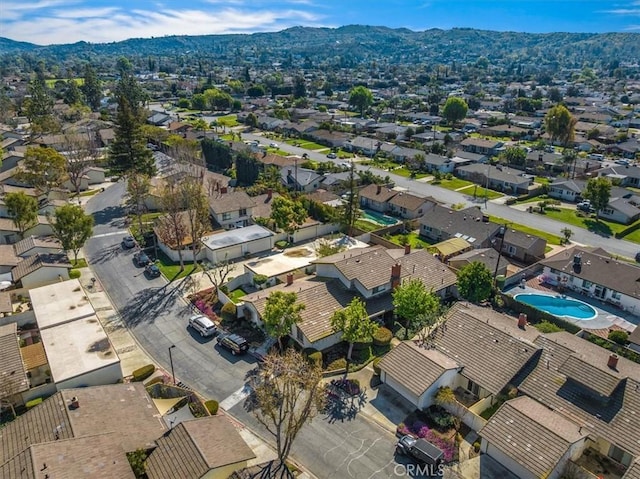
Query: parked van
{"type": "Point", "coordinates": [420, 449]}
{"type": "Point", "coordinates": [203, 325]}
{"type": "Point", "coordinates": [596, 156]}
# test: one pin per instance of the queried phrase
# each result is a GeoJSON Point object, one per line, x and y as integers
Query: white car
{"type": "Point", "coordinates": [273, 145]}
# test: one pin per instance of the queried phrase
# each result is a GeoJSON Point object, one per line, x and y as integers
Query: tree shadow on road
{"type": "Point", "coordinates": [343, 407]}
{"type": "Point", "coordinates": [151, 302]}
{"type": "Point", "coordinates": [106, 254]}
{"type": "Point", "coordinates": [111, 215]}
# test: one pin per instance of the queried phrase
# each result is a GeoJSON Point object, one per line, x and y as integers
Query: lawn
{"type": "Point", "coordinates": [367, 226]}
{"type": "Point", "coordinates": [602, 227]}
{"type": "Point", "coordinates": [412, 239]}
{"type": "Point", "coordinates": [171, 270]}
{"type": "Point", "coordinates": [228, 120]}
{"type": "Point", "coordinates": [52, 81]}
{"type": "Point", "coordinates": [551, 239]}
{"type": "Point", "coordinates": [480, 192]}
{"type": "Point", "coordinates": [307, 145]}
{"type": "Point", "coordinates": [89, 192]}
{"type": "Point", "coordinates": [404, 171]}
{"type": "Point", "coordinates": [453, 184]}
{"type": "Point", "coordinates": [81, 263]}
{"type": "Point", "coordinates": [236, 295]}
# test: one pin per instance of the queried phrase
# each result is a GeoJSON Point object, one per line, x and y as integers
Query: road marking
{"type": "Point", "coordinates": [113, 233]}
{"type": "Point", "coordinates": [236, 397]}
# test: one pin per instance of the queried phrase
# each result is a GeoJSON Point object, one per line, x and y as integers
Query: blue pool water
{"type": "Point", "coordinates": [558, 306]}
{"type": "Point", "coordinates": [378, 218]}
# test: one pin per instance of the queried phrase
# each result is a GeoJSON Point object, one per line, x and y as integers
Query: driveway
{"type": "Point", "coordinates": [156, 314]}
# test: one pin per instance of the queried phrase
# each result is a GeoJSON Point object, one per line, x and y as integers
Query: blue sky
{"type": "Point", "coordinates": [66, 21]}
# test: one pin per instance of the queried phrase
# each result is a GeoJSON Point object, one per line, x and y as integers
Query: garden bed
{"type": "Point", "coordinates": [432, 426]}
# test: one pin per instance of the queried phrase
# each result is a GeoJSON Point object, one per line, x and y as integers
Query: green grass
{"type": "Point", "coordinates": [149, 217]}
{"type": "Point", "coordinates": [278, 151]}
{"type": "Point", "coordinates": [228, 120]}
{"type": "Point", "coordinates": [542, 180]}
{"type": "Point", "coordinates": [366, 225]}
{"type": "Point", "coordinates": [602, 227]}
{"type": "Point", "coordinates": [453, 184]}
{"type": "Point", "coordinates": [81, 263]}
{"type": "Point", "coordinates": [480, 192]}
{"type": "Point", "coordinates": [307, 145]}
{"type": "Point", "coordinates": [413, 239]}
{"type": "Point", "coordinates": [52, 81]}
{"type": "Point", "coordinates": [404, 171]}
{"type": "Point", "coordinates": [171, 270]}
{"type": "Point", "coordinates": [236, 295]}
{"type": "Point", "coordinates": [89, 192]}
{"type": "Point", "coordinates": [551, 238]}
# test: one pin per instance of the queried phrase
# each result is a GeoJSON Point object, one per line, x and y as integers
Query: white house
{"type": "Point", "coordinates": [237, 243]}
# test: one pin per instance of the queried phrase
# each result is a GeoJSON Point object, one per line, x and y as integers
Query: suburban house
{"type": "Point", "coordinates": [231, 209]}
{"type": "Point", "coordinates": [595, 273]}
{"type": "Point", "coordinates": [363, 144]}
{"type": "Point", "coordinates": [10, 234]}
{"type": "Point", "coordinates": [531, 440]}
{"type": "Point", "coordinates": [41, 269]}
{"type": "Point", "coordinates": [262, 208]}
{"type": "Point", "coordinates": [480, 146]}
{"type": "Point", "coordinates": [623, 175]}
{"type": "Point", "coordinates": [624, 210]}
{"type": "Point", "coordinates": [566, 190]}
{"type": "Point", "coordinates": [628, 149]}
{"type": "Point", "coordinates": [520, 246]}
{"type": "Point", "coordinates": [300, 179]}
{"type": "Point", "coordinates": [596, 390]}
{"type": "Point", "coordinates": [481, 353]}
{"type": "Point", "coordinates": [441, 223]}
{"type": "Point", "coordinates": [408, 206]}
{"type": "Point", "coordinates": [486, 256]}
{"type": "Point", "coordinates": [37, 244]}
{"type": "Point", "coordinates": [376, 197]}
{"type": "Point", "coordinates": [237, 242]}
{"type": "Point", "coordinates": [86, 432]}
{"type": "Point", "coordinates": [439, 163]}
{"type": "Point", "coordinates": [496, 178]}
{"type": "Point", "coordinates": [369, 273]}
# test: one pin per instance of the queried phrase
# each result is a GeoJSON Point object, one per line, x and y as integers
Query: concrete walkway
{"type": "Point", "coordinates": [466, 446]}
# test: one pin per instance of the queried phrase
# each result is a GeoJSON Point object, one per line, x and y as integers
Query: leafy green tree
{"type": "Point", "coordinates": [217, 156]}
{"type": "Point", "coordinates": [22, 209]}
{"type": "Point", "coordinates": [42, 168]}
{"type": "Point", "coordinates": [72, 226]}
{"type": "Point", "coordinates": [287, 214]}
{"type": "Point", "coordinates": [72, 94]}
{"type": "Point", "coordinates": [38, 107]}
{"type": "Point", "coordinates": [598, 191]}
{"type": "Point", "coordinates": [567, 234]}
{"type": "Point", "coordinates": [360, 97]}
{"type": "Point", "coordinates": [454, 110]}
{"type": "Point", "coordinates": [255, 91]}
{"type": "Point", "coordinates": [514, 155]}
{"type": "Point", "coordinates": [196, 207]}
{"type": "Point", "coordinates": [91, 88]}
{"type": "Point", "coordinates": [350, 211]}
{"type": "Point", "coordinates": [554, 95]}
{"type": "Point", "coordinates": [216, 99]}
{"type": "Point", "coordinates": [130, 90]}
{"type": "Point", "coordinates": [138, 188]}
{"type": "Point", "coordinates": [475, 282]}
{"type": "Point", "coordinates": [413, 303]}
{"type": "Point", "coordinates": [354, 324]}
{"type": "Point", "coordinates": [560, 124]}
{"type": "Point", "coordinates": [299, 87]}
{"type": "Point", "coordinates": [129, 153]}
{"type": "Point", "coordinates": [252, 120]}
{"type": "Point", "coordinates": [281, 312]}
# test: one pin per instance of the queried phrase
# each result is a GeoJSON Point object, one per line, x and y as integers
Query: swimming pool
{"type": "Point", "coordinates": [378, 218]}
{"type": "Point", "coordinates": [558, 306]}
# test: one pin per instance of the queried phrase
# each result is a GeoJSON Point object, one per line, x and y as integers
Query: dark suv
{"type": "Point", "coordinates": [234, 343]}
{"type": "Point", "coordinates": [141, 258]}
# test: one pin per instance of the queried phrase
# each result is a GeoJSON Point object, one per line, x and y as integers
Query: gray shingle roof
{"type": "Point", "coordinates": [409, 201]}
{"type": "Point", "coordinates": [467, 222]}
{"type": "Point", "coordinates": [13, 377]}
{"type": "Point", "coordinates": [230, 201]}
{"type": "Point", "coordinates": [192, 448]}
{"type": "Point", "coordinates": [414, 367]}
{"type": "Point", "coordinates": [531, 434]}
{"type": "Point", "coordinates": [601, 381]}
{"type": "Point", "coordinates": [489, 345]}
{"type": "Point", "coordinates": [37, 261]}
{"type": "Point", "coordinates": [378, 193]}
{"type": "Point", "coordinates": [23, 246]}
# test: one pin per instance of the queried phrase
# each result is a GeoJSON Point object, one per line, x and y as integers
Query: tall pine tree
{"type": "Point", "coordinates": [128, 152]}
{"type": "Point", "coordinates": [91, 88]}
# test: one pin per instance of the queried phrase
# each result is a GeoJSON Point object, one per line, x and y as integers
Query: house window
{"type": "Point", "coordinates": [299, 335]}
{"type": "Point", "coordinates": [243, 212]}
{"type": "Point", "coordinates": [226, 216]}
{"type": "Point", "coordinates": [586, 284]}
{"type": "Point", "coordinates": [616, 295]}
{"type": "Point", "coordinates": [511, 250]}
{"type": "Point", "coordinates": [473, 387]}
{"type": "Point", "coordinates": [607, 211]}
{"type": "Point", "coordinates": [426, 228]}
{"type": "Point", "coordinates": [377, 289]}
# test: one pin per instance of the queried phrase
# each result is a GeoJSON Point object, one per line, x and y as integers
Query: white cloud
{"type": "Point", "coordinates": [17, 10]}
{"type": "Point", "coordinates": [107, 25]}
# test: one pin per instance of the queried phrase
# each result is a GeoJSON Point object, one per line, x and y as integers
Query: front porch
{"type": "Point", "coordinates": [593, 465]}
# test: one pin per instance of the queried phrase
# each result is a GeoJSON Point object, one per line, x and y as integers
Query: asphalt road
{"type": "Point", "coordinates": [580, 235]}
{"type": "Point", "coordinates": [332, 446]}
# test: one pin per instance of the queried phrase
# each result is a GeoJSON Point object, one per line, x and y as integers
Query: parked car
{"type": "Point", "coordinates": [638, 257]}
{"type": "Point", "coordinates": [128, 242]}
{"type": "Point", "coordinates": [141, 258]}
{"type": "Point", "coordinates": [202, 325]}
{"type": "Point", "coordinates": [234, 343]}
{"type": "Point", "coordinates": [273, 145]}
{"type": "Point", "coordinates": [585, 206]}
{"type": "Point", "coordinates": [332, 156]}
{"type": "Point", "coordinates": [420, 449]}
{"type": "Point", "coordinates": [152, 271]}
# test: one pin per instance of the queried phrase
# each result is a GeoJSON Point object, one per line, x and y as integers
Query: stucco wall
{"type": "Point", "coordinates": [110, 374]}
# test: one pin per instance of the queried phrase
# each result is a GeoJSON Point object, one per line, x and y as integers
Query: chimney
{"type": "Point", "coordinates": [407, 249]}
{"type": "Point", "coordinates": [75, 404]}
{"type": "Point", "coordinates": [612, 362]}
{"type": "Point", "coordinates": [269, 193]}
{"type": "Point", "coordinates": [522, 320]}
{"type": "Point", "coordinates": [395, 275]}
{"type": "Point", "coordinates": [289, 279]}
{"type": "Point", "coordinates": [378, 189]}
{"type": "Point", "coordinates": [223, 190]}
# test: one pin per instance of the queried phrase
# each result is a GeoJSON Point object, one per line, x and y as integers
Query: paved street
{"type": "Point", "coordinates": [582, 236]}
{"type": "Point", "coordinates": [157, 315]}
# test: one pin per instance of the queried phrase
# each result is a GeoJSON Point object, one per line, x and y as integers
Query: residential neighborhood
{"type": "Point", "coordinates": [270, 265]}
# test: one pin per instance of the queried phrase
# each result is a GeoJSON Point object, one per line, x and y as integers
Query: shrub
{"type": "Point", "coordinates": [620, 337]}
{"type": "Point", "coordinates": [546, 327]}
{"type": "Point", "coordinates": [338, 364]}
{"type": "Point", "coordinates": [143, 373]}
{"type": "Point", "coordinates": [315, 358]}
{"type": "Point", "coordinates": [382, 337]}
{"type": "Point", "coordinates": [259, 279]}
{"type": "Point", "coordinates": [156, 380]}
{"type": "Point", "coordinates": [229, 310]}
{"type": "Point", "coordinates": [476, 446]}
{"type": "Point", "coordinates": [282, 244]}
{"type": "Point", "coordinates": [376, 365]}
{"type": "Point", "coordinates": [74, 273]}
{"type": "Point", "coordinates": [212, 406]}
{"type": "Point", "coordinates": [442, 419]}
{"type": "Point", "coordinates": [33, 402]}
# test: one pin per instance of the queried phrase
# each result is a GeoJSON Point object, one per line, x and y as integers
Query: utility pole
{"type": "Point", "coordinates": [173, 374]}
{"type": "Point", "coordinates": [503, 232]}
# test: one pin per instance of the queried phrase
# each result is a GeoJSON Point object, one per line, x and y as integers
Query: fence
{"type": "Point", "coordinates": [525, 273]}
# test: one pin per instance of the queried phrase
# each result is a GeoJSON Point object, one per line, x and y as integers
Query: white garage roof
{"type": "Point", "coordinates": [236, 237]}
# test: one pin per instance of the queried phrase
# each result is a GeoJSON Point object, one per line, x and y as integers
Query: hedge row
{"type": "Point", "coordinates": [143, 373]}
{"type": "Point", "coordinates": [628, 230]}
{"type": "Point", "coordinates": [382, 337]}
{"type": "Point", "coordinates": [212, 406]}
{"type": "Point", "coordinates": [535, 315]}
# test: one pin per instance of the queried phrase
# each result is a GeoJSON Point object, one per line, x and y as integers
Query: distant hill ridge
{"type": "Point", "coordinates": [361, 42]}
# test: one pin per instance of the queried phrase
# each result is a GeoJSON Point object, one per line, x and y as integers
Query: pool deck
{"type": "Point", "coordinates": [609, 317]}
